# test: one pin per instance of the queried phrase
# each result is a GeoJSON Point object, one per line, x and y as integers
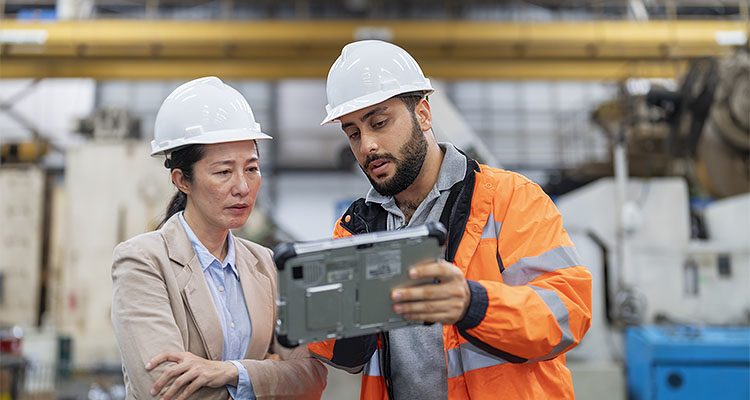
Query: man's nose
{"type": "Point", "coordinates": [368, 143]}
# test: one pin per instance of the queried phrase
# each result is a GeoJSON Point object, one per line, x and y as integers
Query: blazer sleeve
{"type": "Point", "coordinates": [542, 307]}
{"type": "Point", "coordinates": [143, 320]}
{"type": "Point", "coordinates": [296, 376]}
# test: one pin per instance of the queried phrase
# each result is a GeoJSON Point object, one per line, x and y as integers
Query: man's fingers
{"type": "Point", "coordinates": [443, 318]}
{"type": "Point", "coordinates": [427, 307]}
{"type": "Point", "coordinates": [425, 292]}
{"type": "Point", "coordinates": [164, 356]}
{"type": "Point", "coordinates": [444, 311]}
{"type": "Point", "coordinates": [442, 270]}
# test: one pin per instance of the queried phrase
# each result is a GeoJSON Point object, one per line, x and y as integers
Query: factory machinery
{"type": "Point", "coordinates": [667, 238]}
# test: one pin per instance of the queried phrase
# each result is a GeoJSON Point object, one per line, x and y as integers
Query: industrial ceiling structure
{"type": "Point", "coordinates": [147, 40]}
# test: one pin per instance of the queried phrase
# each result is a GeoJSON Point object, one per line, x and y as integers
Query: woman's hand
{"type": "Point", "coordinates": [191, 372]}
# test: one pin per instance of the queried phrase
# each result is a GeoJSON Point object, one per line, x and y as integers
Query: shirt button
{"type": "Point", "coordinates": [488, 186]}
{"type": "Point", "coordinates": [476, 228]}
{"type": "Point", "coordinates": [232, 324]}
{"type": "Point", "coordinates": [221, 288]}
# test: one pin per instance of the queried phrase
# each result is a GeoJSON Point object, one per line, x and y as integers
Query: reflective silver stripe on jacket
{"type": "Point", "coordinates": [372, 367]}
{"type": "Point", "coordinates": [468, 357]}
{"type": "Point", "coordinates": [491, 228]}
{"type": "Point", "coordinates": [555, 304]}
{"type": "Point", "coordinates": [527, 269]}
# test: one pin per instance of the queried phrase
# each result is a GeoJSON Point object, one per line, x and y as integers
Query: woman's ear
{"type": "Point", "coordinates": [424, 115]}
{"type": "Point", "coordinates": [179, 180]}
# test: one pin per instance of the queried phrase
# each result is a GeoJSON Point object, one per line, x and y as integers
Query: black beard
{"type": "Point", "coordinates": [407, 169]}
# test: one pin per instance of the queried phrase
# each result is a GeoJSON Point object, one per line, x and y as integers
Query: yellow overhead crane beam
{"type": "Point", "coordinates": [158, 49]}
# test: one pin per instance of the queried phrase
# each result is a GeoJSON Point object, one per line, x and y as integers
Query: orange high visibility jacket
{"type": "Point", "coordinates": [530, 295]}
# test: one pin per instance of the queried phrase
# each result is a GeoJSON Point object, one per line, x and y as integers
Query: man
{"type": "Point", "coordinates": [511, 296]}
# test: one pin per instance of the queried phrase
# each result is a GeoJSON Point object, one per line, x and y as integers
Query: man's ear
{"type": "Point", "coordinates": [179, 180]}
{"type": "Point", "coordinates": [424, 115]}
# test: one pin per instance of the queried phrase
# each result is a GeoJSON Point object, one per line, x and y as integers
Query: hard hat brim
{"type": "Point", "coordinates": [223, 136]}
{"type": "Point", "coordinates": [370, 99]}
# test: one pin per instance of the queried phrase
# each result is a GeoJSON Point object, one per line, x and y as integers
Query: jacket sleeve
{"type": "Point", "coordinates": [542, 305]}
{"type": "Point", "coordinates": [349, 354]}
{"type": "Point", "coordinates": [143, 321]}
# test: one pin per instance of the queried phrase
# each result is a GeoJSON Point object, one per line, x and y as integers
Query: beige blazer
{"type": "Point", "coordinates": [161, 301]}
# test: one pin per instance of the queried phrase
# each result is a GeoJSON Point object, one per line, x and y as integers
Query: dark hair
{"type": "Point", "coordinates": [411, 99]}
{"type": "Point", "coordinates": [182, 159]}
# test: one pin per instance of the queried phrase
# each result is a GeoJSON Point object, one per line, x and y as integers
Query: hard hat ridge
{"type": "Point", "coordinates": [369, 72]}
{"type": "Point", "coordinates": [203, 111]}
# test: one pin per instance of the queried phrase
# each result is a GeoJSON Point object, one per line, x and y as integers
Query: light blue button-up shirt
{"type": "Point", "coordinates": [224, 283]}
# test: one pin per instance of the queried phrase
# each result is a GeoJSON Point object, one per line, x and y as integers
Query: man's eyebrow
{"type": "Point", "coordinates": [373, 112]}
{"type": "Point", "coordinates": [364, 117]}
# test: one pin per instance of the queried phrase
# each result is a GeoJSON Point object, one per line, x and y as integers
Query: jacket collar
{"type": "Point", "coordinates": [178, 244]}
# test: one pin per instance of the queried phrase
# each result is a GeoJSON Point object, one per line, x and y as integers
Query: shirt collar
{"type": "Point", "coordinates": [452, 170]}
{"type": "Point", "coordinates": [204, 256]}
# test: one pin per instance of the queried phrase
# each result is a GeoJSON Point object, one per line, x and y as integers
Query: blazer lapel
{"type": "Point", "coordinates": [195, 291]}
{"type": "Point", "coordinates": [259, 299]}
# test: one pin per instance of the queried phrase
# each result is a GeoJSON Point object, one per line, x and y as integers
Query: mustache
{"type": "Point", "coordinates": [372, 157]}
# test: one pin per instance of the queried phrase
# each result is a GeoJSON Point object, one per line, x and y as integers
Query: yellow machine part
{"type": "Point", "coordinates": [24, 152]}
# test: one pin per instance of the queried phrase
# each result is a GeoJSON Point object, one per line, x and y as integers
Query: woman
{"type": "Point", "coordinates": [193, 306]}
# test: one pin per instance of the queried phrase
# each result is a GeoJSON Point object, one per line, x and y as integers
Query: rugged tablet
{"type": "Point", "coordinates": [340, 288]}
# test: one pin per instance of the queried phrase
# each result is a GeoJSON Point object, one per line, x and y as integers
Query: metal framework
{"type": "Point", "coordinates": [158, 49]}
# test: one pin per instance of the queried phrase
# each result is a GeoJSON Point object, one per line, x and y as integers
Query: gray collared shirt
{"type": "Point", "coordinates": [418, 363]}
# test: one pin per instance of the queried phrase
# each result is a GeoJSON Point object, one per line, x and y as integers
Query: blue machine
{"type": "Point", "coordinates": [688, 362]}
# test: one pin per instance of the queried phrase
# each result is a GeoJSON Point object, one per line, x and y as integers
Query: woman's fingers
{"type": "Point", "coordinates": [167, 375]}
{"type": "Point", "coordinates": [175, 356]}
{"type": "Point", "coordinates": [190, 374]}
{"type": "Point", "coordinates": [190, 389]}
{"type": "Point", "coordinates": [184, 379]}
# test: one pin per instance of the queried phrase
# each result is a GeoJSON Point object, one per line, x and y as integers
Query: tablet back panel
{"type": "Point", "coordinates": [341, 288]}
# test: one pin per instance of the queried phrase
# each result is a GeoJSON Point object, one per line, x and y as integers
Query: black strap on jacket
{"type": "Point", "coordinates": [362, 217]}
{"type": "Point", "coordinates": [455, 213]}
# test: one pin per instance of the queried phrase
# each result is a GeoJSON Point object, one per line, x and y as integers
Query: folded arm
{"type": "Point", "coordinates": [143, 320]}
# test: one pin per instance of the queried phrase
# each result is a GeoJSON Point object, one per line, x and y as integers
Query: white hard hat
{"type": "Point", "coordinates": [369, 72]}
{"type": "Point", "coordinates": [203, 111]}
